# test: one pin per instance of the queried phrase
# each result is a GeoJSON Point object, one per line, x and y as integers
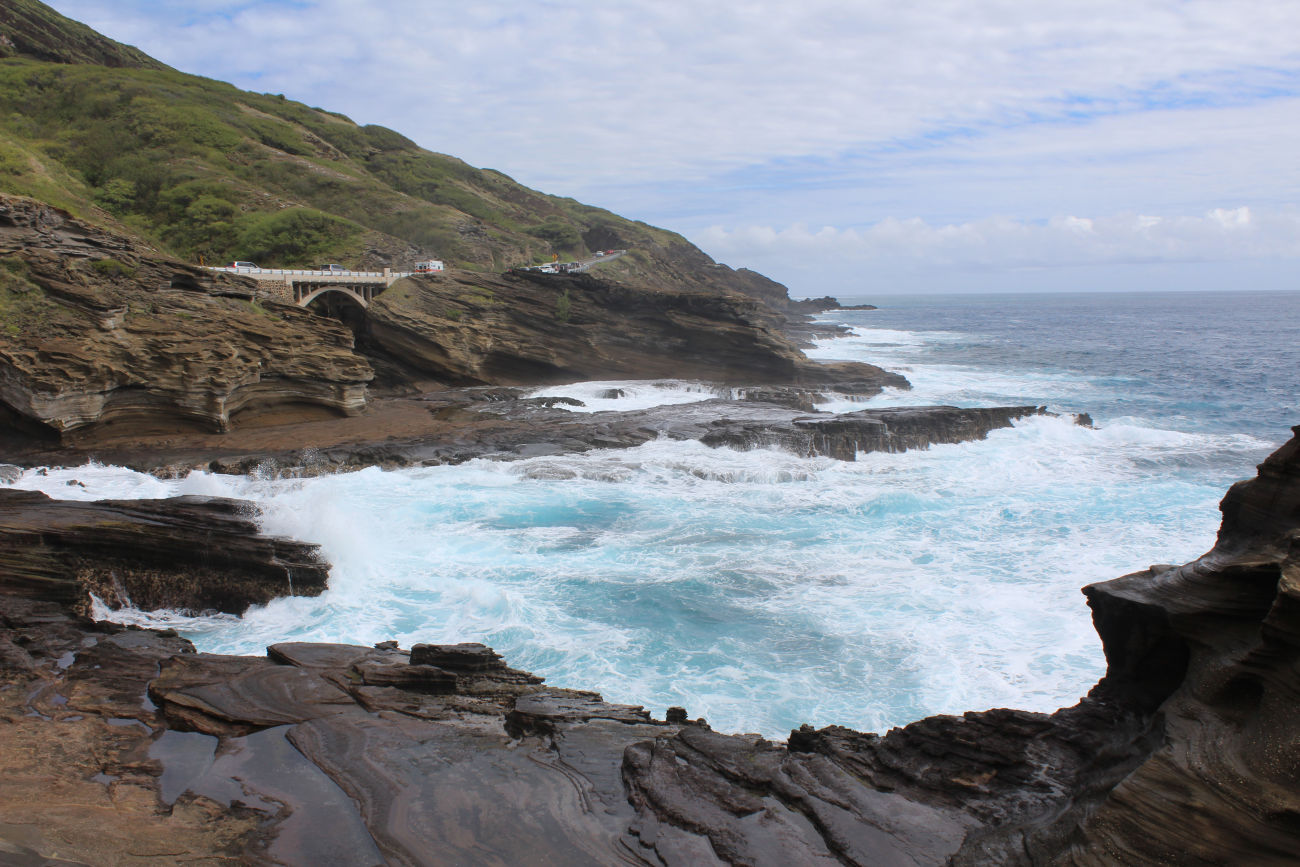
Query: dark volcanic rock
{"type": "Point", "coordinates": [545, 712]}
{"type": "Point", "coordinates": [446, 755]}
{"type": "Point", "coordinates": [327, 657]}
{"type": "Point", "coordinates": [815, 305]}
{"type": "Point", "coordinates": [457, 657]}
{"type": "Point", "coordinates": [751, 422]}
{"type": "Point", "coordinates": [417, 678]}
{"type": "Point", "coordinates": [191, 553]}
{"type": "Point", "coordinates": [894, 429]}
{"type": "Point", "coordinates": [1214, 644]}
{"type": "Point", "coordinates": [80, 785]}
{"type": "Point", "coordinates": [1192, 727]}
{"type": "Point", "coordinates": [799, 399]}
{"type": "Point", "coordinates": [232, 695]}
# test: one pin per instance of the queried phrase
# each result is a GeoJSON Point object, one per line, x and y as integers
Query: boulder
{"type": "Point", "coordinates": [457, 657]}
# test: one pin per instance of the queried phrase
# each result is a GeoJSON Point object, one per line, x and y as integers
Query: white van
{"type": "Point", "coordinates": [332, 268]}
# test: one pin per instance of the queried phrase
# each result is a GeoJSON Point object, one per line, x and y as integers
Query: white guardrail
{"type": "Point", "coordinates": [302, 272]}
{"type": "Point", "coordinates": [281, 273]}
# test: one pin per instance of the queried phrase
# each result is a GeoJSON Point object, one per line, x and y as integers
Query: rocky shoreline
{"type": "Point", "coordinates": [122, 745]}
{"type": "Point", "coordinates": [107, 340]}
{"type": "Point", "coordinates": [445, 755]}
{"type": "Point", "coordinates": [453, 426]}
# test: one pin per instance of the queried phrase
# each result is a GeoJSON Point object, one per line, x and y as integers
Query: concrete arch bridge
{"type": "Point", "coordinates": [302, 287]}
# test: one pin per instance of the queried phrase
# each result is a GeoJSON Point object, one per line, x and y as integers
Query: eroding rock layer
{"type": "Point", "coordinates": [99, 333]}
{"type": "Point", "coordinates": [188, 553]}
{"type": "Point", "coordinates": [465, 328]}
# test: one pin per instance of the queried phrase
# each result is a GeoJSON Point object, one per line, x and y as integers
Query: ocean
{"type": "Point", "coordinates": [761, 590]}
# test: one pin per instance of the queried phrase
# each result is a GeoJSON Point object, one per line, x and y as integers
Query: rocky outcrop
{"type": "Point", "coordinates": [297, 757]}
{"type": "Point", "coordinates": [101, 337]}
{"type": "Point", "coordinates": [762, 418]}
{"type": "Point", "coordinates": [1213, 645]}
{"type": "Point", "coordinates": [445, 755]}
{"type": "Point", "coordinates": [500, 424]}
{"type": "Point", "coordinates": [188, 553]}
{"type": "Point", "coordinates": [464, 328]}
{"type": "Point", "coordinates": [1192, 728]}
{"type": "Point", "coordinates": [891, 429]}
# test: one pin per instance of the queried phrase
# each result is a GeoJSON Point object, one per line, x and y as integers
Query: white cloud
{"type": "Point", "coordinates": [647, 87]}
{"type": "Point", "coordinates": [1223, 234]}
{"type": "Point", "coordinates": [915, 254]}
{"type": "Point", "coordinates": [712, 112]}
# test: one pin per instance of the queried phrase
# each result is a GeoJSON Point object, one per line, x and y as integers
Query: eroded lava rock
{"type": "Point", "coordinates": [99, 331]}
{"type": "Point", "coordinates": [464, 328]}
{"type": "Point", "coordinates": [187, 553]}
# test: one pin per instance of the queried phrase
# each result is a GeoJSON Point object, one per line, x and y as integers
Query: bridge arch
{"type": "Point", "coordinates": [314, 292]}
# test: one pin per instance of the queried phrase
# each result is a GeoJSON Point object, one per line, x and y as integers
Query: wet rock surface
{"type": "Point", "coordinates": [456, 425]}
{"type": "Point", "coordinates": [446, 755]}
{"type": "Point", "coordinates": [188, 553]}
{"type": "Point", "coordinates": [760, 419]}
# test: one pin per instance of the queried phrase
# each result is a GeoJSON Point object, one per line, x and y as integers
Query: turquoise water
{"type": "Point", "coordinates": [762, 590]}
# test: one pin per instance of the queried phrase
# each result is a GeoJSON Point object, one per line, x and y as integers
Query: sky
{"type": "Point", "coordinates": [844, 148]}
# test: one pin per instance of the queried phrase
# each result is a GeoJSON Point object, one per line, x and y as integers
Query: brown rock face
{"type": "Point", "coordinates": [474, 329]}
{"type": "Point", "coordinates": [194, 553]}
{"type": "Point", "coordinates": [1216, 643]}
{"type": "Point", "coordinates": [1187, 752]}
{"type": "Point", "coordinates": [98, 336]}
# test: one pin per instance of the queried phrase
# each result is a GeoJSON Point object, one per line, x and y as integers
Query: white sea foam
{"type": "Point", "coordinates": [758, 589]}
{"type": "Point", "coordinates": [937, 383]}
{"type": "Point", "coordinates": [623, 395]}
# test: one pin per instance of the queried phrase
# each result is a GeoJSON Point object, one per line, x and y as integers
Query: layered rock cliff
{"type": "Point", "coordinates": [188, 553]}
{"type": "Point", "coordinates": [527, 328]}
{"type": "Point", "coordinates": [103, 340]}
{"type": "Point", "coordinates": [100, 332]}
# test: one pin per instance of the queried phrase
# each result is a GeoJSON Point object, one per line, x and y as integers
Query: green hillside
{"type": "Point", "coordinates": [35, 30]}
{"type": "Point", "coordinates": [207, 172]}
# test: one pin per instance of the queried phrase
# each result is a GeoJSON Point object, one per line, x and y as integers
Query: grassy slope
{"type": "Point", "coordinates": [33, 29]}
{"type": "Point", "coordinates": [199, 168]}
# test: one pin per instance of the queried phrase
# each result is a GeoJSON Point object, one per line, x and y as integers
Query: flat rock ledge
{"type": "Point", "coordinates": [502, 425]}
{"type": "Point", "coordinates": [119, 744]}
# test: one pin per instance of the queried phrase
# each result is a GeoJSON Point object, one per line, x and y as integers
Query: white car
{"type": "Point", "coordinates": [333, 268]}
